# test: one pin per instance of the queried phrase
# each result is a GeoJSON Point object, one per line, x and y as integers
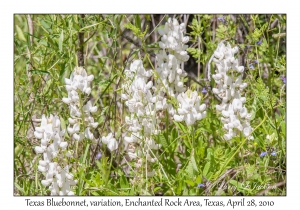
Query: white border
{"type": "Point", "coordinates": [8, 8]}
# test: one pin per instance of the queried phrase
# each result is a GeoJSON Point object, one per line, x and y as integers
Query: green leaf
{"type": "Point", "coordinates": [206, 168]}
{"type": "Point", "coordinates": [43, 42]}
{"type": "Point", "coordinates": [189, 182]}
{"type": "Point", "coordinates": [234, 183]}
{"type": "Point", "coordinates": [199, 179]}
{"type": "Point", "coordinates": [63, 125]}
{"type": "Point", "coordinates": [123, 182]}
{"type": "Point", "coordinates": [163, 141]}
{"type": "Point", "coordinates": [187, 143]}
{"type": "Point", "coordinates": [138, 22]}
{"type": "Point", "coordinates": [179, 188]}
{"type": "Point", "coordinates": [209, 175]}
{"type": "Point", "coordinates": [19, 188]}
{"type": "Point", "coordinates": [60, 41]}
{"type": "Point", "coordinates": [20, 34]}
{"type": "Point", "coordinates": [148, 17]}
{"type": "Point", "coordinates": [181, 127]}
{"type": "Point", "coordinates": [18, 150]}
{"type": "Point", "coordinates": [95, 193]}
{"type": "Point", "coordinates": [194, 163]}
{"type": "Point", "coordinates": [189, 169]}
{"type": "Point", "coordinates": [283, 127]}
{"type": "Point", "coordinates": [45, 25]}
{"type": "Point", "coordinates": [47, 87]}
{"type": "Point", "coordinates": [85, 154]}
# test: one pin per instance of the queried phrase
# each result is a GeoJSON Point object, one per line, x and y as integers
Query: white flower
{"type": "Point", "coordinates": [89, 108]}
{"type": "Point", "coordinates": [46, 182]}
{"type": "Point", "coordinates": [146, 98]}
{"type": "Point", "coordinates": [131, 138]}
{"type": "Point", "coordinates": [63, 145]}
{"type": "Point", "coordinates": [152, 144]}
{"type": "Point", "coordinates": [67, 100]}
{"type": "Point", "coordinates": [111, 142]}
{"type": "Point", "coordinates": [247, 131]}
{"type": "Point", "coordinates": [189, 109]}
{"type": "Point", "coordinates": [235, 115]}
{"type": "Point", "coordinates": [72, 121]}
{"type": "Point", "coordinates": [74, 129]}
{"type": "Point", "coordinates": [88, 134]}
{"type": "Point", "coordinates": [178, 118]}
{"type": "Point", "coordinates": [38, 135]}
{"type": "Point", "coordinates": [52, 143]}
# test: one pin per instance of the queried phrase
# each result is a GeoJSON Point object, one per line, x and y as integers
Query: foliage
{"type": "Point", "coordinates": [189, 155]}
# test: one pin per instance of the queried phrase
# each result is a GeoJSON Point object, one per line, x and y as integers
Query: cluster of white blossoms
{"type": "Point", "coordinates": [53, 147]}
{"type": "Point", "coordinates": [139, 98]}
{"type": "Point", "coordinates": [235, 116]}
{"type": "Point", "coordinates": [169, 59]}
{"type": "Point", "coordinates": [190, 109]}
{"type": "Point", "coordinates": [80, 81]}
{"type": "Point", "coordinates": [147, 103]}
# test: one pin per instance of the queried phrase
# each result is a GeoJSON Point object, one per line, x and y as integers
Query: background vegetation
{"type": "Point", "coordinates": [192, 160]}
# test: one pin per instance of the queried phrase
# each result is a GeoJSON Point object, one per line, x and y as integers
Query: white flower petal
{"type": "Point", "coordinates": [38, 135]}
{"type": "Point", "coordinates": [112, 144]}
{"type": "Point", "coordinates": [72, 121]}
{"type": "Point", "coordinates": [42, 169]}
{"type": "Point", "coordinates": [63, 145]}
{"type": "Point", "coordinates": [46, 182]}
{"type": "Point", "coordinates": [202, 107]}
{"type": "Point", "coordinates": [68, 81]}
{"type": "Point", "coordinates": [88, 90]}
{"type": "Point", "coordinates": [66, 100]}
{"type": "Point", "coordinates": [93, 109]}
{"type": "Point", "coordinates": [178, 118]}
{"type": "Point", "coordinates": [39, 150]}
{"type": "Point", "coordinates": [90, 78]}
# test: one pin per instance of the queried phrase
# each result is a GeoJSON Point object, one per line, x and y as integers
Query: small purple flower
{"type": "Point", "coordinates": [263, 154]}
{"type": "Point", "coordinates": [284, 80]}
{"type": "Point", "coordinates": [251, 66]}
{"type": "Point", "coordinates": [204, 91]}
{"type": "Point", "coordinates": [221, 19]}
{"type": "Point", "coordinates": [200, 185]}
{"type": "Point", "coordinates": [259, 42]}
{"type": "Point", "coordinates": [98, 156]}
{"type": "Point", "coordinates": [256, 61]}
{"type": "Point", "coordinates": [273, 153]}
